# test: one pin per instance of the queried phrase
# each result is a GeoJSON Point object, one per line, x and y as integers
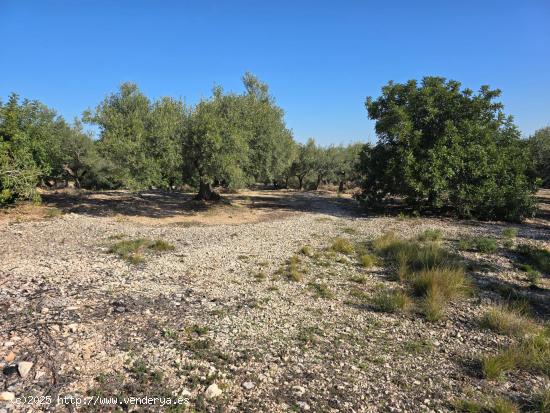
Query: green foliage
{"type": "Point", "coordinates": [431, 235]}
{"type": "Point", "coordinates": [510, 233]}
{"type": "Point", "coordinates": [539, 147]}
{"type": "Point", "coordinates": [497, 405]}
{"type": "Point", "coordinates": [440, 146]}
{"type": "Point", "coordinates": [321, 290]}
{"type": "Point", "coordinates": [508, 321]}
{"type": "Point", "coordinates": [391, 301]}
{"type": "Point", "coordinates": [537, 258]}
{"type": "Point", "coordinates": [132, 250]}
{"type": "Point", "coordinates": [342, 246]}
{"type": "Point", "coordinates": [480, 244]}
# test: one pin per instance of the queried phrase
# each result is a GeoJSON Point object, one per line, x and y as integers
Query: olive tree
{"type": "Point", "coordinates": [443, 146]}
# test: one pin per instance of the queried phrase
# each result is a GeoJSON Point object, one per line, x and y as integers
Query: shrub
{"type": "Point", "coordinates": [306, 250]}
{"type": "Point", "coordinates": [510, 233]}
{"type": "Point", "coordinates": [411, 254]}
{"type": "Point", "coordinates": [448, 281]}
{"type": "Point", "coordinates": [293, 270]}
{"type": "Point", "coordinates": [507, 321]}
{"type": "Point", "coordinates": [367, 260]}
{"type": "Point", "coordinates": [498, 405]}
{"type": "Point", "coordinates": [321, 290]}
{"type": "Point", "coordinates": [431, 235]}
{"type": "Point", "coordinates": [542, 401]}
{"type": "Point", "coordinates": [433, 305]}
{"type": "Point", "coordinates": [342, 246]}
{"type": "Point", "coordinates": [467, 155]}
{"type": "Point", "coordinates": [359, 279]}
{"type": "Point", "coordinates": [479, 244]}
{"type": "Point", "coordinates": [132, 250]}
{"type": "Point", "coordinates": [494, 366]}
{"type": "Point", "coordinates": [538, 258]}
{"type": "Point", "coordinates": [391, 301]}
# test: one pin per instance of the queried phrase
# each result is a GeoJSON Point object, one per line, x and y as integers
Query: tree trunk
{"type": "Point", "coordinates": [300, 179]}
{"type": "Point", "coordinates": [319, 179]}
{"type": "Point", "coordinates": [206, 193]}
{"type": "Point", "coordinates": [341, 186]}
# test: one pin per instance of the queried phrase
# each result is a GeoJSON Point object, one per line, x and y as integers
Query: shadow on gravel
{"type": "Point", "coordinates": [159, 204]}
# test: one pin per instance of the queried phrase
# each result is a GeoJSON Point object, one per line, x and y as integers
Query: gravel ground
{"type": "Point", "coordinates": [214, 322]}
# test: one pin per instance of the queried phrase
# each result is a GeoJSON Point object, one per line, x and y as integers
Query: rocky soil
{"type": "Point", "coordinates": [216, 323]}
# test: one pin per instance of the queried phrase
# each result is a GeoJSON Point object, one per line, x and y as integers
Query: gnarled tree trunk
{"type": "Point", "coordinates": [206, 193]}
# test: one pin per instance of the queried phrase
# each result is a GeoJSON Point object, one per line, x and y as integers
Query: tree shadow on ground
{"type": "Point", "coordinates": [159, 204]}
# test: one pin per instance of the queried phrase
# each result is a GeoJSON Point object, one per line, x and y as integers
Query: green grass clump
{"type": "Point", "coordinates": [260, 276]}
{"type": "Point", "coordinates": [132, 250]}
{"type": "Point", "coordinates": [531, 354]}
{"type": "Point", "coordinates": [433, 305]}
{"type": "Point", "coordinates": [510, 233]}
{"type": "Point", "coordinates": [342, 246]}
{"type": "Point", "coordinates": [53, 212]}
{"type": "Point", "coordinates": [542, 401]}
{"type": "Point", "coordinates": [412, 254]}
{"type": "Point", "coordinates": [437, 287]}
{"type": "Point", "coordinates": [359, 279]}
{"type": "Point", "coordinates": [294, 272]}
{"type": "Point", "coordinates": [484, 245]}
{"type": "Point", "coordinates": [306, 250]}
{"type": "Point", "coordinates": [431, 235]}
{"type": "Point", "coordinates": [538, 258]}
{"type": "Point", "coordinates": [448, 281]}
{"type": "Point", "coordinates": [160, 245]}
{"type": "Point", "coordinates": [350, 230]}
{"type": "Point", "coordinates": [367, 260]}
{"type": "Point", "coordinates": [533, 276]}
{"type": "Point", "coordinates": [391, 301]}
{"type": "Point", "coordinates": [321, 290]}
{"type": "Point", "coordinates": [508, 321]}
{"type": "Point", "coordinates": [497, 405]}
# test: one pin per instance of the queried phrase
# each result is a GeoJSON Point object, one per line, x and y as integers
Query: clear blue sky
{"type": "Point", "coordinates": [320, 58]}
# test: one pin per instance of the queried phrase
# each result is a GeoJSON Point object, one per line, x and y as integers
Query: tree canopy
{"type": "Point", "coordinates": [440, 146]}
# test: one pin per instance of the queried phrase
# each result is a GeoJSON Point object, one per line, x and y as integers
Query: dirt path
{"type": "Point", "coordinates": [218, 310]}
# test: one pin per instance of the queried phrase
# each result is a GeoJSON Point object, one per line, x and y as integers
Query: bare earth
{"type": "Point", "coordinates": [215, 311]}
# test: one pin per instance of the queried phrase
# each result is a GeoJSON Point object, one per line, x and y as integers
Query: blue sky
{"type": "Point", "coordinates": [320, 59]}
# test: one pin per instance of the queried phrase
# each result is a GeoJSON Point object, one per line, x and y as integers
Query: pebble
{"type": "Point", "coordinates": [212, 391]}
{"type": "Point", "coordinates": [23, 367]}
{"type": "Point", "coordinates": [248, 385]}
{"type": "Point", "coordinates": [303, 405]}
{"type": "Point", "coordinates": [7, 396]}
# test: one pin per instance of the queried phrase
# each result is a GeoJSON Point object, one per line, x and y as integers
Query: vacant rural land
{"type": "Point", "coordinates": [270, 301]}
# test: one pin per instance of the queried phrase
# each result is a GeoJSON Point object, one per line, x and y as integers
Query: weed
{"type": "Point", "coordinates": [433, 305]}
{"type": "Point", "coordinates": [321, 290]}
{"type": "Point", "coordinates": [350, 230]}
{"type": "Point", "coordinates": [391, 301]}
{"type": "Point", "coordinates": [359, 294]}
{"type": "Point", "coordinates": [53, 213]}
{"type": "Point", "coordinates": [507, 321]}
{"type": "Point", "coordinates": [417, 347]}
{"type": "Point", "coordinates": [497, 405]}
{"type": "Point", "coordinates": [309, 335]}
{"type": "Point", "coordinates": [260, 276]}
{"type": "Point", "coordinates": [431, 235]}
{"type": "Point", "coordinates": [448, 281]}
{"type": "Point", "coordinates": [293, 270]}
{"type": "Point", "coordinates": [494, 366]}
{"type": "Point", "coordinates": [538, 258]}
{"type": "Point", "coordinates": [359, 279]}
{"type": "Point", "coordinates": [131, 250]}
{"type": "Point", "coordinates": [306, 250]}
{"type": "Point", "coordinates": [479, 244]}
{"type": "Point", "coordinates": [342, 246]}
{"type": "Point", "coordinates": [367, 260]}
{"type": "Point", "coordinates": [160, 245]}
{"type": "Point", "coordinates": [533, 276]}
{"type": "Point", "coordinates": [510, 233]}
{"type": "Point", "coordinates": [542, 401]}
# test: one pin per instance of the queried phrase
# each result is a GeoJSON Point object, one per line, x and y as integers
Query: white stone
{"type": "Point", "coordinates": [212, 391]}
{"type": "Point", "coordinates": [24, 367]}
